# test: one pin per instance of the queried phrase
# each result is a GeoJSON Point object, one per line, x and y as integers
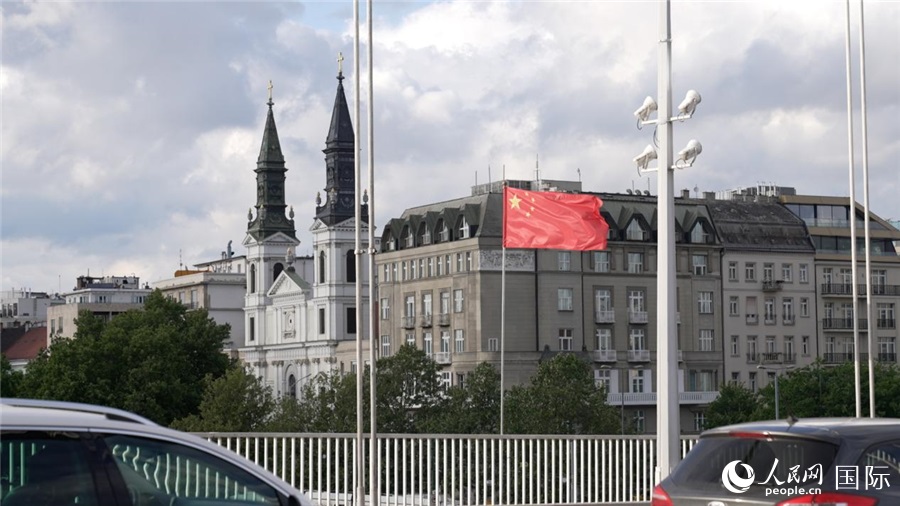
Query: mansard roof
{"type": "Point", "coordinates": [761, 226]}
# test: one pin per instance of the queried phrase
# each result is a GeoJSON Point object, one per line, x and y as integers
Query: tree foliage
{"type": "Point", "coordinates": [10, 380]}
{"type": "Point", "coordinates": [561, 398]}
{"type": "Point", "coordinates": [735, 404]}
{"type": "Point", "coordinates": [235, 402]}
{"type": "Point", "coordinates": [153, 361]}
{"type": "Point", "coordinates": [471, 408]}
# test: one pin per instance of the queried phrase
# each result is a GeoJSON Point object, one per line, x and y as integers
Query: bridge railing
{"type": "Point", "coordinates": [432, 470]}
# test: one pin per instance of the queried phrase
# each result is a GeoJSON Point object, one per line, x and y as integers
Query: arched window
{"type": "Point", "coordinates": [321, 267]}
{"type": "Point", "coordinates": [276, 270]}
{"type": "Point", "coordinates": [351, 267]}
{"type": "Point", "coordinates": [292, 386]}
{"type": "Point", "coordinates": [252, 278]}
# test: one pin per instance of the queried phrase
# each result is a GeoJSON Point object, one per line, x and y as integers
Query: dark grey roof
{"type": "Point", "coordinates": [761, 226]}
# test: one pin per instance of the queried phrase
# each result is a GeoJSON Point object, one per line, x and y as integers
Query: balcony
{"type": "Point", "coordinates": [752, 319]}
{"type": "Point", "coordinates": [770, 285]}
{"type": "Point", "coordinates": [837, 358]}
{"type": "Point", "coordinates": [649, 398]}
{"type": "Point", "coordinates": [637, 316]}
{"type": "Point", "coordinates": [604, 355]}
{"type": "Point", "coordinates": [425, 320]}
{"type": "Point", "coordinates": [638, 355]}
{"type": "Point", "coordinates": [843, 323]}
{"type": "Point", "coordinates": [846, 289]}
{"type": "Point", "coordinates": [442, 358]}
{"type": "Point", "coordinates": [886, 323]}
{"type": "Point", "coordinates": [444, 319]}
{"type": "Point", "coordinates": [605, 316]}
{"type": "Point", "coordinates": [887, 357]}
{"type": "Point", "coordinates": [776, 357]}
{"type": "Point", "coordinates": [408, 322]}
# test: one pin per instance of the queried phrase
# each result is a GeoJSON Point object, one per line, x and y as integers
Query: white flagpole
{"type": "Point", "coordinates": [865, 167]}
{"type": "Point", "coordinates": [502, 324]}
{"type": "Point", "coordinates": [359, 454]}
{"type": "Point", "coordinates": [374, 473]}
{"type": "Point", "coordinates": [853, 266]}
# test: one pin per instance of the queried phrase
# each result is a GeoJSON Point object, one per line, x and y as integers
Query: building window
{"type": "Point", "coordinates": [699, 422]}
{"type": "Point", "coordinates": [768, 272]}
{"type": "Point", "coordinates": [457, 301]}
{"type": "Point", "coordinates": [447, 264]}
{"type": "Point", "coordinates": [459, 263]}
{"type": "Point", "coordinates": [787, 273]}
{"type": "Point", "coordinates": [804, 345]}
{"type": "Point", "coordinates": [804, 307]}
{"type": "Point", "coordinates": [699, 235]}
{"type": "Point", "coordinates": [639, 421]}
{"type": "Point", "coordinates": [603, 379]}
{"type": "Point", "coordinates": [601, 261]}
{"type": "Point", "coordinates": [385, 309]}
{"type": "Point", "coordinates": [736, 377]}
{"type": "Point", "coordinates": [252, 281]}
{"type": "Point", "coordinates": [409, 308]}
{"type": "Point", "coordinates": [733, 303]}
{"type": "Point", "coordinates": [493, 344]}
{"type": "Point", "coordinates": [427, 343]}
{"type": "Point", "coordinates": [705, 302]}
{"type": "Point", "coordinates": [251, 329]}
{"type": "Point", "coordinates": [732, 271]}
{"type": "Point", "coordinates": [564, 299]}
{"type": "Point", "coordinates": [386, 276]}
{"type": "Point", "coordinates": [564, 260]}
{"type": "Point", "coordinates": [461, 379]}
{"type": "Point", "coordinates": [634, 232]}
{"type": "Point", "coordinates": [292, 386]}
{"type": "Point", "coordinates": [702, 381]}
{"type": "Point", "coordinates": [804, 273]}
{"type": "Point", "coordinates": [445, 303]}
{"type": "Point", "coordinates": [430, 267]}
{"type": "Point", "coordinates": [321, 267]}
{"type": "Point", "coordinates": [638, 383]}
{"type": "Point", "coordinates": [735, 346]}
{"type": "Point", "coordinates": [468, 261]}
{"type": "Point", "coordinates": [385, 346]}
{"type": "Point", "coordinates": [706, 340]}
{"type": "Point", "coordinates": [635, 263]}
{"type": "Point", "coordinates": [750, 271]}
{"type": "Point", "coordinates": [460, 338]}
{"type": "Point", "coordinates": [427, 306]}
{"type": "Point", "coordinates": [463, 228]}
{"type": "Point", "coordinates": [414, 270]}
{"type": "Point", "coordinates": [770, 311]}
{"type": "Point", "coordinates": [411, 339]}
{"type": "Point", "coordinates": [446, 378]}
{"type": "Point", "coordinates": [445, 341]}
{"type": "Point", "coordinates": [787, 310]}
{"type": "Point", "coordinates": [637, 340]}
{"type": "Point", "coordinates": [752, 382]}
{"type": "Point", "coordinates": [604, 340]}
{"type": "Point", "coordinates": [351, 320]}
{"type": "Point", "coordinates": [699, 263]}
{"type": "Point", "coordinates": [394, 270]}
{"type": "Point", "coordinates": [321, 320]}
{"type": "Point", "coordinates": [565, 339]}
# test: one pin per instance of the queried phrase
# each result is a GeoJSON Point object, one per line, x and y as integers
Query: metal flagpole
{"type": "Point", "coordinates": [870, 334]}
{"type": "Point", "coordinates": [370, 134]}
{"type": "Point", "coordinates": [359, 453]}
{"type": "Point", "coordinates": [853, 266]}
{"type": "Point", "coordinates": [502, 323]}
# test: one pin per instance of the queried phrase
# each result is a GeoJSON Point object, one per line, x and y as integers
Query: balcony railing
{"type": "Point", "coordinates": [771, 285]}
{"type": "Point", "coordinates": [752, 319]}
{"type": "Point", "coordinates": [637, 316]}
{"type": "Point", "coordinates": [847, 289]}
{"type": "Point", "coordinates": [425, 320]}
{"type": "Point", "coordinates": [645, 398]}
{"type": "Point", "coordinates": [408, 322]}
{"type": "Point", "coordinates": [776, 357]}
{"type": "Point", "coordinates": [444, 319]}
{"type": "Point", "coordinates": [638, 355]}
{"type": "Point", "coordinates": [605, 356]}
{"type": "Point", "coordinates": [837, 358]}
{"type": "Point", "coordinates": [843, 323]}
{"type": "Point", "coordinates": [887, 357]}
{"type": "Point", "coordinates": [605, 316]}
{"type": "Point", "coordinates": [442, 358]}
{"type": "Point", "coordinates": [886, 323]}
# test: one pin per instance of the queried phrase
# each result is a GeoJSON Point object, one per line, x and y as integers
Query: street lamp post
{"type": "Point", "coordinates": [777, 370]}
{"type": "Point", "coordinates": [667, 420]}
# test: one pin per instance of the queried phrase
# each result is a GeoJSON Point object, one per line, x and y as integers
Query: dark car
{"type": "Point", "coordinates": [821, 461]}
{"type": "Point", "coordinates": [58, 453]}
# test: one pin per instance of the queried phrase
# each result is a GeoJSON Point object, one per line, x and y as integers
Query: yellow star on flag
{"type": "Point", "coordinates": [514, 202]}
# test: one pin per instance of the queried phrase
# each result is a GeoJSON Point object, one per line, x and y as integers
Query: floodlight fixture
{"type": "Point", "coordinates": [687, 155]}
{"type": "Point", "coordinates": [643, 160]}
{"type": "Point", "coordinates": [646, 109]}
{"type": "Point", "coordinates": [687, 106]}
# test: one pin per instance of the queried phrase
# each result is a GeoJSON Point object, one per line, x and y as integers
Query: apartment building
{"type": "Point", "coordinates": [104, 296]}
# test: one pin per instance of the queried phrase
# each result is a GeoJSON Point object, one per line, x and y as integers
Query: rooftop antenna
{"type": "Point", "coordinates": [696, 191]}
{"type": "Point", "coordinates": [579, 174]}
{"type": "Point", "coordinates": [490, 181]}
{"type": "Point", "coordinates": [537, 171]}
{"type": "Point", "coordinates": [180, 263]}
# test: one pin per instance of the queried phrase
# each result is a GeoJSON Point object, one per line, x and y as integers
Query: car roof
{"type": "Point", "coordinates": [62, 409]}
{"type": "Point", "coordinates": [828, 429]}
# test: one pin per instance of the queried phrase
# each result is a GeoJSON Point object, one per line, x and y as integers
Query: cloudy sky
{"type": "Point", "coordinates": [130, 130]}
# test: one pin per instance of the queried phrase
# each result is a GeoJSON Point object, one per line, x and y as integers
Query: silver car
{"type": "Point", "coordinates": [58, 453]}
{"type": "Point", "coordinates": [825, 461]}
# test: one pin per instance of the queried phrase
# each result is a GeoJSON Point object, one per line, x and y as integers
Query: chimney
{"type": "Point", "coordinates": [685, 193]}
{"type": "Point", "coordinates": [709, 195]}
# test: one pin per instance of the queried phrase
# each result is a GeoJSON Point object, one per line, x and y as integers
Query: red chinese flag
{"type": "Point", "coordinates": [550, 220]}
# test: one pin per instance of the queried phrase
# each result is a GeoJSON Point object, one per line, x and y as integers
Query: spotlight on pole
{"type": "Point", "coordinates": [643, 160]}
{"type": "Point", "coordinates": [644, 112]}
{"type": "Point", "coordinates": [687, 106]}
{"type": "Point", "coordinates": [687, 155]}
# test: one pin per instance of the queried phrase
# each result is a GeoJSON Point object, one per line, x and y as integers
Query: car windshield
{"type": "Point", "coordinates": [754, 462]}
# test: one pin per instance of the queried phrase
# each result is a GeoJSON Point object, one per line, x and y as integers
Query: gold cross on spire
{"type": "Point", "coordinates": [270, 90]}
{"type": "Point", "coordinates": [340, 61]}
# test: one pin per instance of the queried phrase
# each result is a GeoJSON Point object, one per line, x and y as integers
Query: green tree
{"type": "Point", "coordinates": [10, 381]}
{"type": "Point", "coordinates": [407, 392]}
{"type": "Point", "coordinates": [235, 402]}
{"type": "Point", "coordinates": [735, 404]}
{"type": "Point", "coordinates": [473, 408]}
{"type": "Point", "coordinates": [153, 361]}
{"type": "Point", "coordinates": [561, 398]}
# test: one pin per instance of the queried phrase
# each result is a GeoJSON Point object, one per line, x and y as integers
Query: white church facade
{"type": "Point", "coordinates": [300, 313]}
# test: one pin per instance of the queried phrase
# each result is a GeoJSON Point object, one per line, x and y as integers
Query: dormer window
{"type": "Point", "coordinates": [410, 239]}
{"type": "Point", "coordinates": [634, 232]}
{"type": "Point", "coordinates": [699, 234]}
{"type": "Point", "coordinates": [426, 236]}
{"type": "Point", "coordinates": [463, 228]}
{"type": "Point", "coordinates": [445, 232]}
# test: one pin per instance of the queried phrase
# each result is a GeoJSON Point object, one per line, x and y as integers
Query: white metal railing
{"type": "Point", "coordinates": [605, 355]}
{"type": "Point", "coordinates": [442, 357]}
{"type": "Point", "coordinates": [604, 316]}
{"type": "Point", "coordinates": [637, 316]}
{"type": "Point", "coordinates": [428, 470]}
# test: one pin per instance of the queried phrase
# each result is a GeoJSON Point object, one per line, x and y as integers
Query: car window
{"type": "Point", "coordinates": [772, 460]}
{"type": "Point", "coordinates": [43, 468]}
{"type": "Point", "coordinates": [159, 472]}
{"type": "Point", "coordinates": [879, 467]}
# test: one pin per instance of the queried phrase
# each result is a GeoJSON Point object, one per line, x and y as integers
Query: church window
{"type": "Point", "coordinates": [276, 270]}
{"type": "Point", "coordinates": [251, 329]}
{"type": "Point", "coordinates": [252, 278]}
{"type": "Point", "coordinates": [351, 320]}
{"type": "Point", "coordinates": [351, 267]}
{"type": "Point", "coordinates": [292, 386]}
{"type": "Point", "coordinates": [321, 320]}
{"type": "Point", "coordinates": [321, 267]}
